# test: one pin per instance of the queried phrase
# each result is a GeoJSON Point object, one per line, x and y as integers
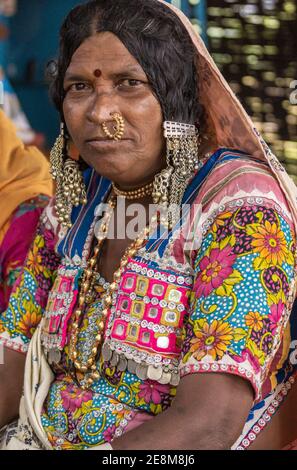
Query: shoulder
{"type": "Point", "coordinates": [237, 192]}
{"type": "Point", "coordinates": [235, 165]}
{"type": "Point", "coordinates": [238, 176]}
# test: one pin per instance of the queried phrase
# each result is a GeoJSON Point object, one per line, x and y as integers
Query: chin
{"type": "Point", "coordinates": [107, 160]}
{"type": "Point", "coordinates": [110, 168]}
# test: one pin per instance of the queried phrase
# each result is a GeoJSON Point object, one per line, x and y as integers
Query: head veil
{"type": "Point", "coordinates": [228, 124]}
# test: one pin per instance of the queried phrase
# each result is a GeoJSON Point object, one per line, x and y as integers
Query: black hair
{"type": "Point", "coordinates": [156, 38]}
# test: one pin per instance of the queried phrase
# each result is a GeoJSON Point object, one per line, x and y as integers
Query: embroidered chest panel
{"type": "Point", "coordinates": [144, 328]}
{"type": "Point", "coordinates": [143, 332]}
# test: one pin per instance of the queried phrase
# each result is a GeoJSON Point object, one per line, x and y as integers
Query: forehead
{"type": "Point", "coordinates": [104, 51]}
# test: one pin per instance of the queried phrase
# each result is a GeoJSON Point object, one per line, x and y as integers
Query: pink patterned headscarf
{"type": "Point", "coordinates": [228, 123]}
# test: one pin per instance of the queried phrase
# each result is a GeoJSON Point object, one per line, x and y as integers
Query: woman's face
{"type": "Point", "coordinates": [104, 78]}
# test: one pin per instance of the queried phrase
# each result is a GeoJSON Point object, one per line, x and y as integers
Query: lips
{"type": "Point", "coordinates": [102, 139]}
{"type": "Point", "coordinates": [98, 139]}
{"type": "Point", "coordinates": [105, 144]}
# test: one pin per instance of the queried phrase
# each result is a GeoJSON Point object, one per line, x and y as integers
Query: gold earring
{"type": "Point", "coordinates": [119, 127]}
{"type": "Point", "coordinates": [70, 188]}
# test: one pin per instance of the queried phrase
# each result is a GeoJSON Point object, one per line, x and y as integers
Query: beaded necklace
{"type": "Point", "coordinates": [87, 285]}
{"type": "Point", "coordinates": [131, 195]}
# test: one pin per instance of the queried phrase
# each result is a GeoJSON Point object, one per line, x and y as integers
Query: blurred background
{"type": "Point", "coordinates": [254, 43]}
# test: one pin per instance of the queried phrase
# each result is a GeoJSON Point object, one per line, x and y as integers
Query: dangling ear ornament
{"type": "Point", "coordinates": [70, 188]}
{"type": "Point", "coordinates": [182, 141]}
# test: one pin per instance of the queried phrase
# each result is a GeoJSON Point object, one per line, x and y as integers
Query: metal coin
{"type": "Point", "coordinates": [54, 356]}
{"type": "Point", "coordinates": [114, 360]}
{"type": "Point", "coordinates": [154, 373]}
{"type": "Point", "coordinates": [122, 364]}
{"type": "Point", "coordinates": [165, 379]}
{"type": "Point", "coordinates": [175, 379]}
{"type": "Point", "coordinates": [132, 366]}
{"type": "Point", "coordinates": [106, 352]}
{"type": "Point", "coordinates": [141, 371]}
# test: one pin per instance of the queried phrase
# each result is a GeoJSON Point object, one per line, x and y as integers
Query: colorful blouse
{"type": "Point", "coordinates": [16, 242]}
{"type": "Point", "coordinates": [218, 301]}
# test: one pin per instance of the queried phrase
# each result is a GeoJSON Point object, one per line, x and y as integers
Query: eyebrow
{"type": "Point", "coordinates": [72, 77]}
{"type": "Point", "coordinates": [131, 68]}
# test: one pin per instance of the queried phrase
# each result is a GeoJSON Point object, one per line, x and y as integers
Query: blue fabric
{"type": "Point", "coordinates": [83, 215]}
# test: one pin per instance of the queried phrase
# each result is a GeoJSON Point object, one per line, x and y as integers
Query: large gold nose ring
{"type": "Point", "coordinates": [119, 127]}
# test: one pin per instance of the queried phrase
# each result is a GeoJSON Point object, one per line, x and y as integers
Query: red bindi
{"type": "Point", "coordinates": [97, 73]}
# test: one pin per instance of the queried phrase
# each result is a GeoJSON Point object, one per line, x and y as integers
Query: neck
{"type": "Point", "coordinates": [133, 186]}
{"type": "Point", "coordinates": [136, 193]}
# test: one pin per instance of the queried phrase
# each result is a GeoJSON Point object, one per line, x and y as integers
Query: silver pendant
{"type": "Point", "coordinates": [141, 371]}
{"type": "Point", "coordinates": [154, 373]}
{"type": "Point", "coordinates": [175, 379]}
{"type": "Point", "coordinates": [122, 364]}
{"type": "Point", "coordinates": [106, 352]}
{"type": "Point", "coordinates": [54, 356]}
{"type": "Point", "coordinates": [132, 366]}
{"type": "Point", "coordinates": [114, 360]}
{"type": "Point", "coordinates": [165, 379]}
{"type": "Point", "coordinates": [99, 210]}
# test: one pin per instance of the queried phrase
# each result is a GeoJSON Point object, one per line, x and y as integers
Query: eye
{"type": "Point", "coordinates": [79, 86]}
{"type": "Point", "coordinates": [129, 83]}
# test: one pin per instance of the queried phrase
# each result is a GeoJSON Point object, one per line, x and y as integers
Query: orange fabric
{"type": "Point", "coordinates": [24, 172]}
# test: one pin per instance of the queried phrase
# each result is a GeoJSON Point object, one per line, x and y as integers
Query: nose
{"type": "Point", "coordinates": [101, 107]}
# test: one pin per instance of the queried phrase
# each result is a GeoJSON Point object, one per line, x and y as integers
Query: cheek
{"type": "Point", "coordinates": [150, 120]}
{"type": "Point", "coordinates": [153, 112]}
{"type": "Point", "coordinates": [154, 132]}
{"type": "Point", "coordinates": [73, 116]}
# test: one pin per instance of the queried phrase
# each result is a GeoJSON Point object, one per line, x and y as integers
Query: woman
{"type": "Point", "coordinates": [137, 337]}
{"type": "Point", "coordinates": [25, 187]}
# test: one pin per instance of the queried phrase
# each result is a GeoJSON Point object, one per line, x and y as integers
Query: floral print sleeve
{"type": "Point", "coordinates": [29, 296]}
{"type": "Point", "coordinates": [244, 270]}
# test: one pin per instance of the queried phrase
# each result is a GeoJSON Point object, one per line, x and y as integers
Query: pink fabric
{"type": "Point", "coordinates": [245, 182]}
{"type": "Point", "coordinates": [65, 326]}
{"type": "Point", "coordinates": [146, 339]}
{"type": "Point", "coordinates": [138, 420]}
{"type": "Point", "coordinates": [14, 249]}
